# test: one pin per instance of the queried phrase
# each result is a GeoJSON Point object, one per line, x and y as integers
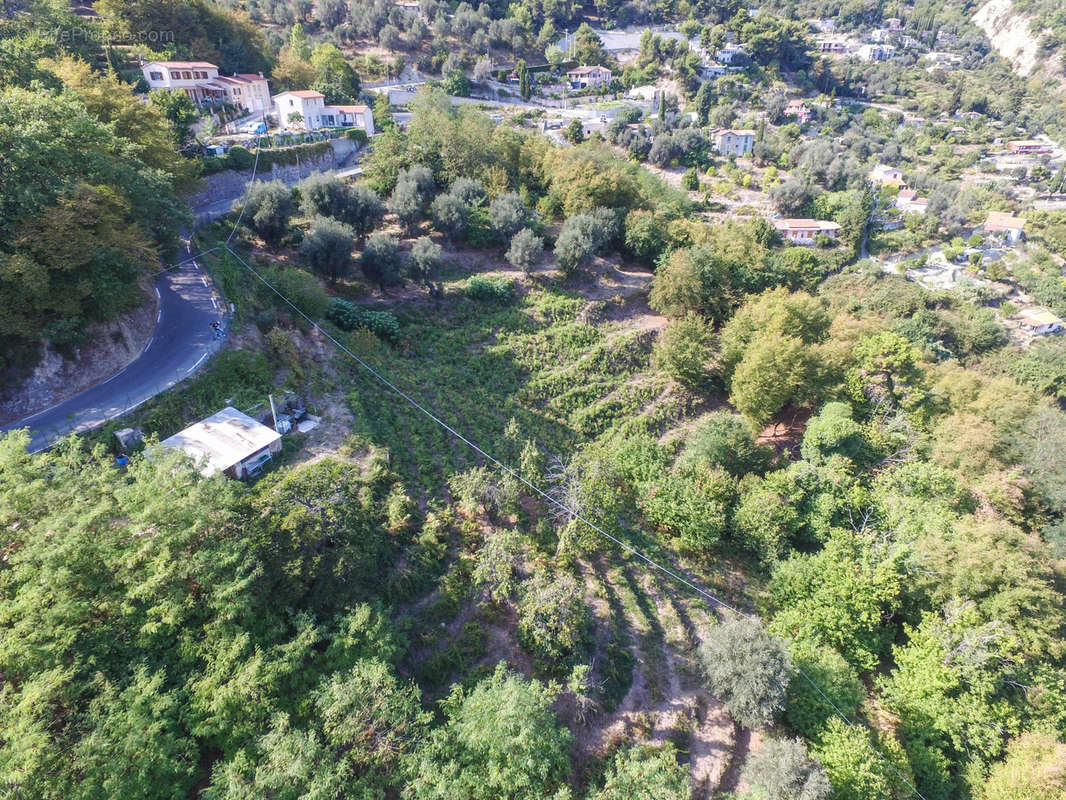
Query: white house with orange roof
{"type": "Point", "coordinates": [203, 83]}
{"type": "Point", "coordinates": [908, 202]}
{"type": "Point", "coordinates": [799, 110]}
{"type": "Point", "coordinates": [314, 113]}
{"type": "Point", "coordinates": [805, 231]}
{"type": "Point", "coordinates": [1006, 225]}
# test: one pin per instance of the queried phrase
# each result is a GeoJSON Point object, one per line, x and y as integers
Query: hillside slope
{"type": "Point", "coordinates": [1016, 34]}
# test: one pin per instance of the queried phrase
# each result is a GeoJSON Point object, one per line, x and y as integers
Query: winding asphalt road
{"type": "Point", "coordinates": [181, 342]}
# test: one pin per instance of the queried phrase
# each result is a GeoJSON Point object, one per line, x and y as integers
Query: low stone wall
{"type": "Point", "coordinates": [230, 183]}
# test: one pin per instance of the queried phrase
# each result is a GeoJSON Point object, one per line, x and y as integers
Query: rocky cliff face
{"type": "Point", "coordinates": [1009, 32]}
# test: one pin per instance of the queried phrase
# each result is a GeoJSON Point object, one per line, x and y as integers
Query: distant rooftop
{"type": "Point", "coordinates": [1001, 221]}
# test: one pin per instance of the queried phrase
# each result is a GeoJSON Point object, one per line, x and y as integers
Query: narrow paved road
{"type": "Point", "coordinates": [181, 342]}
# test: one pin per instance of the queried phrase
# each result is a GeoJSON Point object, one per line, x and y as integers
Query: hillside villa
{"type": "Point", "coordinates": [1010, 227]}
{"type": "Point", "coordinates": [315, 114]}
{"type": "Point", "coordinates": [908, 202]}
{"type": "Point", "coordinates": [804, 231]}
{"type": "Point", "coordinates": [731, 142]}
{"type": "Point", "coordinates": [586, 76]}
{"type": "Point", "coordinates": [886, 175]}
{"type": "Point", "coordinates": [799, 110]}
{"type": "Point", "coordinates": [202, 83]}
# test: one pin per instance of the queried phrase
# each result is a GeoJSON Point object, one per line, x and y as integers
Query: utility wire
{"type": "Point", "coordinates": [169, 267]}
{"type": "Point", "coordinates": [547, 497]}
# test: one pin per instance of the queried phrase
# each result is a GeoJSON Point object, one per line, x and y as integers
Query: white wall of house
{"type": "Point", "coordinates": [310, 108]}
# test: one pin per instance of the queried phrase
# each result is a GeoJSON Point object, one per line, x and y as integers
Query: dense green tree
{"type": "Point", "coordinates": [1035, 766]}
{"type": "Point", "coordinates": [860, 766]}
{"type": "Point", "coordinates": [685, 351]}
{"type": "Point", "coordinates": [202, 30]}
{"type": "Point", "coordinates": [832, 432]}
{"type": "Point", "coordinates": [328, 248]}
{"type": "Point", "coordinates": [500, 739]}
{"type": "Point", "coordinates": [748, 668]}
{"type": "Point", "coordinates": [365, 723]}
{"type": "Point", "coordinates": [334, 76]}
{"type": "Point", "coordinates": [840, 596]}
{"type": "Point", "coordinates": [645, 773]}
{"type": "Point", "coordinates": [380, 261]}
{"type": "Point", "coordinates": [690, 503]}
{"type": "Point", "coordinates": [774, 371]}
{"type": "Point", "coordinates": [267, 209]}
{"type": "Point", "coordinates": [75, 262]}
{"type": "Point", "coordinates": [825, 685]}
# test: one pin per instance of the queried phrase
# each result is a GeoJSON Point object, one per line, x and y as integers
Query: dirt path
{"type": "Point", "coordinates": [685, 715]}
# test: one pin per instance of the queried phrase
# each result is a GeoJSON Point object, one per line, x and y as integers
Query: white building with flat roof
{"type": "Point", "coordinates": [230, 442]}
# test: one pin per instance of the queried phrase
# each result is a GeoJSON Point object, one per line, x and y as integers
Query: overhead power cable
{"type": "Point", "coordinates": [574, 514]}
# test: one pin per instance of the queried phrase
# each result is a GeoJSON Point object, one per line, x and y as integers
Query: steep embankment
{"type": "Point", "coordinates": [1013, 36]}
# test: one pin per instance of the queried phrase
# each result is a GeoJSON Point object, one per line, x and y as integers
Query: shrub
{"type": "Point", "coordinates": [348, 317]}
{"type": "Point", "coordinates": [525, 250]}
{"type": "Point", "coordinates": [239, 158]}
{"type": "Point", "coordinates": [726, 440]}
{"type": "Point", "coordinates": [356, 135]}
{"type": "Point", "coordinates": [553, 620]}
{"type": "Point", "coordinates": [480, 287]}
{"type": "Point", "coordinates": [690, 181]}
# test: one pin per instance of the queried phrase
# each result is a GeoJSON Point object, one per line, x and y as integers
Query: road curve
{"type": "Point", "coordinates": [181, 342]}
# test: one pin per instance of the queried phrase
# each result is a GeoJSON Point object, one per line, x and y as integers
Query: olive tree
{"type": "Point", "coordinates": [363, 210]}
{"type": "Point", "coordinates": [267, 209]}
{"type": "Point", "coordinates": [425, 262]}
{"type": "Point", "coordinates": [323, 195]}
{"type": "Point", "coordinates": [748, 668]}
{"type": "Point", "coordinates": [450, 215]}
{"type": "Point", "coordinates": [381, 260]}
{"type": "Point", "coordinates": [784, 771]}
{"type": "Point", "coordinates": [328, 248]}
{"type": "Point", "coordinates": [507, 215]}
{"type": "Point", "coordinates": [525, 250]}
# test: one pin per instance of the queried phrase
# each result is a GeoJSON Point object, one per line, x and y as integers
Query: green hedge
{"type": "Point", "coordinates": [348, 316]}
